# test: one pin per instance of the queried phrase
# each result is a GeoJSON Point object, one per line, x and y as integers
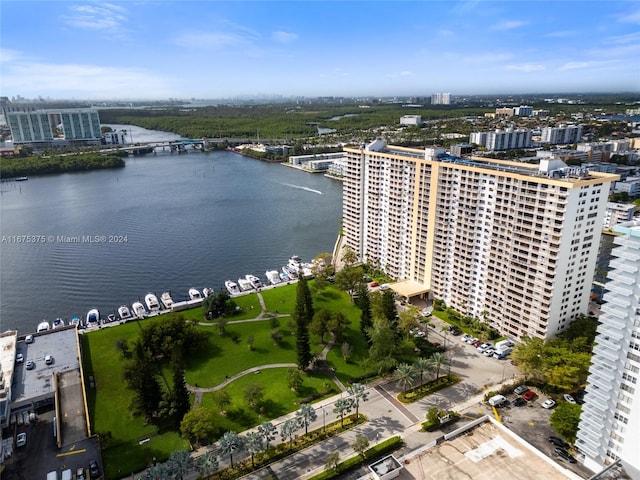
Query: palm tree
{"type": "Point", "coordinates": [229, 443]}
{"type": "Point", "coordinates": [405, 375]}
{"type": "Point", "coordinates": [267, 431]}
{"type": "Point", "coordinates": [253, 444]}
{"type": "Point", "coordinates": [180, 463]}
{"type": "Point", "coordinates": [305, 416]}
{"type": "Point", "coordinates": [288, 429]}
{"type": "Point", "coordinates": [438, 360]}
{"type": "Point", "coordinates": [422, 366]}
{"type": "Point", "coordinates": [207, 463]}
{"type": "Point", "coordinates": [343, 406]}
{"type": "Point", "coordinates": [357, 393]}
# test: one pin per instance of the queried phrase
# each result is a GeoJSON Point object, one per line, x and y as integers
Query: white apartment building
{"type": "Point", "coordinates": [610, 418]}
{"type": "Point", "coordinates": [523, 111]}
{"type": "Point", "coordinates": [618, 213]}
{"type": "Point", "coordinates": [562, 134]}
{"type": "Point", "coordinates": [508, 139]}
{"type": "Point", "coordinates": [512, 243]}
{"type": "Point", "coordinates": [441, 99]}
{"type": "Point", "coordinates": [411, 120]}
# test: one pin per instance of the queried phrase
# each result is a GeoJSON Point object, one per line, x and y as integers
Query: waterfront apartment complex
{"type": "Point", "coordinates": [502, 139]}
{"type": "Point", "coordinates": [514, 244]}
{"type": "Point", "coordinates": [33, 125]}
{"type": "Point", "coordinates": [563, 134]}
{"type": "Point", "coordinates": [610, 418]}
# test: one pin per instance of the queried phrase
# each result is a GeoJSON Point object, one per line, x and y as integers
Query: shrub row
{"type": "Point", "coordinates": [416, 393]}
{"type": "Point", "coordinates": [373, 453]}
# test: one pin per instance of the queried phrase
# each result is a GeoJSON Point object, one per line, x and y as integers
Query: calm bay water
{"type": "Point", "coordinates": [177, 221]}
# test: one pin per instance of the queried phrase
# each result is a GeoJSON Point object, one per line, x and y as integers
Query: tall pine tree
{"type": "Point", "coordinates": [364, 303]}
{"type": "Point", "coordinates": [302, 315]}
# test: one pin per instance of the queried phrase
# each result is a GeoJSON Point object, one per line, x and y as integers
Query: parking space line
{"type": "Point", "coordinates": [71, 453]}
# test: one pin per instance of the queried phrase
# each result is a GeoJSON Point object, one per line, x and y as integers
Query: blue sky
{"type": "Point", "coordinates": [212, 49]}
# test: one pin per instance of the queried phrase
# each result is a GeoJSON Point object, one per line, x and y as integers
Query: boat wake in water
{"type": "Point", "coordinates": [302, 188]}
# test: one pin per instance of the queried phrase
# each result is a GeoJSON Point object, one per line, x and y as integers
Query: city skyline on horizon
{"type": "Point", "coordinates": [207, 50]}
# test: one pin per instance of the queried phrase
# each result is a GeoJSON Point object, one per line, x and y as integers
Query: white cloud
{"type": "Point", "coordinates": [284, 37]}
{"type": "Point", "coordinates": [210, 40]}
{"type": "Point", "coordinates": [561, 34]}
{"type": "Point", "coordinates": [526, 67]}
{"type": "Point", "coordinates": [79, 79]}
{"type": "Point", "coordinates": [104, 16]}
{"type": "Point", "coordinates": [508, 25]}
{"type": "Point", "coordinates": [631, 17]}
{"type": "Point", "coordinates": [575, 66]}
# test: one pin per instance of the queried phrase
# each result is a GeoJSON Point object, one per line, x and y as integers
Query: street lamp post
{"type": "Point", "coordinates": [324, 420]}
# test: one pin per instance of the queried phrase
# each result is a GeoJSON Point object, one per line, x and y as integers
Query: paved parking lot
{"type": "Point", "coordinates": [41, 455]}
{"type": "Point", "coordinates": [531, 422]}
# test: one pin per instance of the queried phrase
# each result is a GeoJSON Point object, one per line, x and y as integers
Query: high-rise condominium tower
{"type": "Point", "coordinates": [511, 243]}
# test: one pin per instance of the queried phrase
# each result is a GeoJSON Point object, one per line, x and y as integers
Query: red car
{"type": "Point", "coordinates": [529, 395]}
{"type": "Point", "coordinates": [374, 284]}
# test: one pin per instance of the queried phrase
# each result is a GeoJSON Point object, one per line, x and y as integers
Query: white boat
{"type": "Point", "coordinates": [124, 313]}
{"type": "Point", "coordinates": [232, 287]}
{"type": "Point", "coordinates": [93, 316]}
{"type": "Point", "coordinates": [58, 322]}
{"type": "Point", "coordinates": [74, 321]}
{"type": "Point", "coordinates": [43, 326]}
{"type": "Point", "coordinates": [295, 263]}
{"type": "Point", "coordinates": [273, 276]}
{"type": "Point", "coordinates": [292, 274]}
{"type": "Point", "coordinates": [207, 291]}
{"type": "Point", "coordinates": [194, 294]}
{"type": "Point", "coordinates": [111, 318]}
{"type": "Point", "coordinates": [166, 300]}
{"type": "Point", "coordinates": [306, 272]}
{"type": "Point", "coordinates": [244, 284]}
{"type": "Point", "coordinates": [138, 310]}
{"type": "Point", "coordinates": [255, 281]}
{"type": "Point", "coordinates": [152, 302]}
{"type": "Point", "coordinates": [284, 277]}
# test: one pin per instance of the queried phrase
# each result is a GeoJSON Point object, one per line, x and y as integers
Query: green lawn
{"type": "Point", "coordinates": [278, 399]}
{"type": "Point", "coordinates": [109, 402]}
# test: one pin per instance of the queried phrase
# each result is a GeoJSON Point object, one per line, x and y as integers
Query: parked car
{"type": "Point", "coordinates": [31, 364]}
{"type": "Point", "coordinates": [548, 403]}
{"type": "Point", "coordinates": [94, 469]}
{"type": "Point", "coordinates": [498, 401]}
{"type": "Point", "coordinates": [453, 330]}
{"type": "Point", "coordinates": [48, 359]}
{"type": "Point", "coordinates": [21, 439]}
{"type": "Point", "coordinates": [477, 343]}
{"type": "Point", "coordinates": [568, 398]}
{"type": "Point", "coordinates": [518, 402]}
{"type": "Point", "coordinates": [384, 286]}
{"type": "Point", "coordinates": [489, 352]}
{"type": "Point", "coordinates": [529, 395]}
{"type": "Point", "coordinates": [80, 474]}
{"type": "Point", "coordinates": [374, 284]}
{"type": "Point", "coordinates": [484, 346]}
{"type": "Point", "coordinates": [28, 339]}
{"type": "Point", "coordinates": [520, 389]}
{"type": "Point", "coordinates": [564, 454]}
{"type": "Point", "coordinates": [19, 358]}
{"type": "Point", "coordinates": [466, 337]}
{"type": "Point", "coordinates": [558, 442]}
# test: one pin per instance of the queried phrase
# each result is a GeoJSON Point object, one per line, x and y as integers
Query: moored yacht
{"type": "Point", "coordinates": [194, 294]}
{"type": "Point", "coordinates": [138, 310]}
{"type": "Point", "coordinates": [93, 317]}
{"type": "Point", "coordinates": [58, 322]}
{"type": "Point", "coordinates": [273, 276]}
{"type": "Point", "coordinates": [124, 313]}
{"type": "Point", "coordinates": [152, 302]}
{"type": "Point", "coordinates": [292, 274]}
{"type": "Point", "coordinates": [43, 326]}
{"type": "Point", "coordinates": [254, 281]}
{"type": "Point", "coordinates": [166, 300]}
{"type": "Point", "coordinates": [207, 291]}
{"type": "Point", "coordinates": [284, 277]}
{"type": "Point", "coordinates": [244, 284]}
{"type": "Point", "coordinates": [232, 287]}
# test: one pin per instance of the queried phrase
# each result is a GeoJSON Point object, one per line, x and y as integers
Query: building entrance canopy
{"type": "Point", "coordinates": [408, 288]}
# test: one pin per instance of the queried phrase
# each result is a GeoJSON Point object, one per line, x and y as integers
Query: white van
{"type": "Point", "coordinates": [52, 475]}
{"type": "Point", "coordinates": [67, 475]}
{"type": "Point", "coordinates": [497, 400]}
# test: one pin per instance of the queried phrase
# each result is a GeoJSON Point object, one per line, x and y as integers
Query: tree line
{"type": "Point", "coordinates": [45, 165]}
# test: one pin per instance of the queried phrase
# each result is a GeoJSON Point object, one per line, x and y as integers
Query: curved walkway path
{"type": "Point", "coordinates": [261, 316]}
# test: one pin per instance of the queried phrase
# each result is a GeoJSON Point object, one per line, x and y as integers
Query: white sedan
{"type": "Point", "coordinates": [568, 398]}
{"type": "Point", "coordinates": [548, 403]}
{"type": "Point", "coordinates": [21, 439]}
